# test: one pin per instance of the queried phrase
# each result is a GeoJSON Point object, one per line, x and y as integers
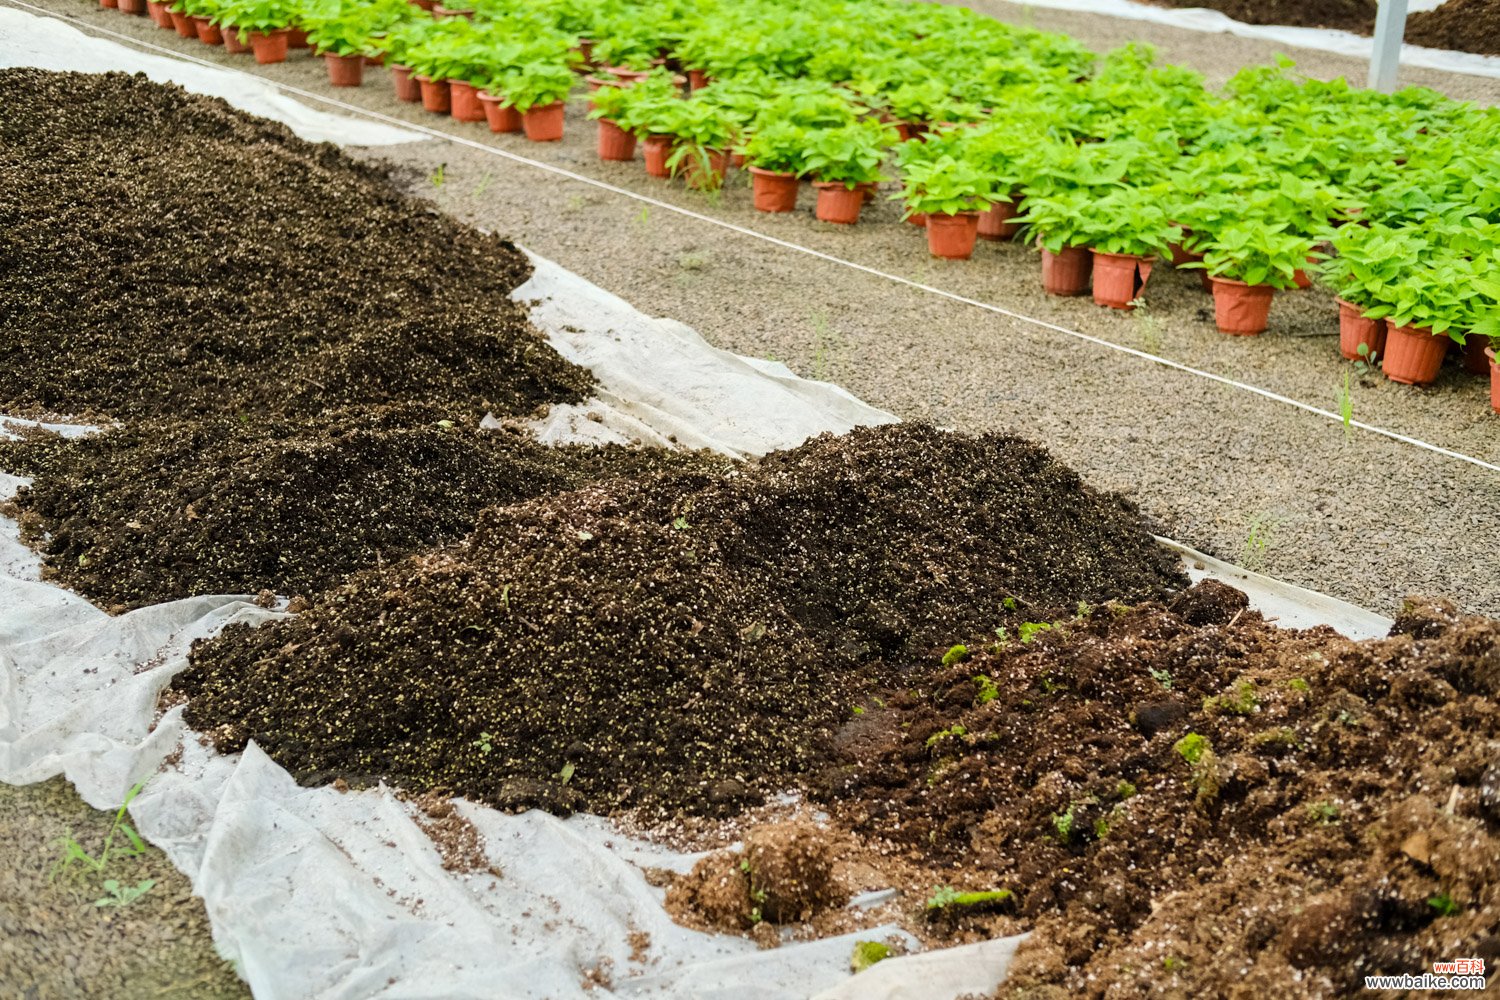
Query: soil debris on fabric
{"type": "Point", "coordinates": [1461, 25]}
{"type": "Point", "coordinates": [1150, 789]}
{"type": "Point", "coordinates": [672, 643]}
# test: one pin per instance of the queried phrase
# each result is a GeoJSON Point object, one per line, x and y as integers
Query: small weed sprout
{"type": "Point", "coordinates": [485, 743]}
{"type": "Point", "coordinates": [439, 175]}
{"type": "Point", "coordinates": [1030, 630]}
{"type": "Point", "coordinates": [120, 896]}
{"type": "Point", "coordinates": [942, 734]}
{"type": "Point", "coordinates": [1124, 790]}
{"type": "Point", "coordinates": [1162, 677]}
{"type": "Point", "coordinates": [484, 184]}
{"type": "Point", "coordinates": [567, 772]}
{"type": "Point", "coordinates": [988, 692]}
{"type": "Point", "coordinates": [1192, 747]}
{"type": "Point", "coordinates": [1299, 685]}
{"type": "Point", "coordinates": [1199, 754]}
{"type": "Point", "coordinates": [1346, 406]}
{"type": "Point", "coordinates": [1257, 541]}
{"type": "Point", "coordinates": [1367, 361]}
{"type": "Point", "coordinates": [73, 852]}
{"type": "Point", "coordinates": [1445, 905]}
{"type": "Point", "coordinates": [1063, 824]}
{"type": "Point", "coordinates": [1147, 327]}
{"type": "Point", "coordinates": [1239, 700]}
{"type": "Point", "coordinates": [1008, 603]}
{"type": "Point", "coordinates": [1323, 813]}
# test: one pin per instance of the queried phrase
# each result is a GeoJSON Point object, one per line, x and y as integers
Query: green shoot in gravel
{"type": "Point", "coordinates": [73, 852]}
{"type": "Point", "coordinates": [120, 896]}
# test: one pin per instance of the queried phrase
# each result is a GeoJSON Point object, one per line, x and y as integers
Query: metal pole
{"type": "Point", "coordinates": [1385, 55]}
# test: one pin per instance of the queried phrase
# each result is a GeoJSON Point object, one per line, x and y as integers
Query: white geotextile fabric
{"type": "Point", "coordinates": [661, 383]}
{"type": "Point", "coordinates": [1344, 43]}
{"type": "Point", "coordinates": [47, 43]}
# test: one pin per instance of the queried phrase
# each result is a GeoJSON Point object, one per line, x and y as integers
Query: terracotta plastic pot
{"type": "Point", "coordinates": [183, 25]}
{"type": "Point", "coordinates": [916, 219]}
{"type": "Point", "coordinates": [1179, 256]}
{"type": "Point", "coordinates": [1355, 329]}
{"type": "Point", "coordinates": [773, 191]}
{"type": "Point", "coordinates": [868, 190]}
{"type": "Point", "coordinates": [232, 43]}
{"type": "Point", "coordinates": [269, 47]}
{"type": "Point", "coordinates": [952, 237]}
{"type": "Point", "coordinates": [108, 3]}
{"type": "Point", "coordinates": [1240, 309]}
{"type": "Point", "coordinates": [132, 6]}
{"type": "Point", "coordinates": [1413, 355]}
{"type": "Point", "coordinates": [463, 101]}
{"type": "Point", "coordinates": [837, 202]}
{"type": "Point", "coordinates": [296, 38]}
{"type": "Point", "coordinates": [159, 14]}
{"type": "Point", "coordinates": [434, 94]}
{"type": "Point", "coordinates": [1475, 360]}
{"type": "Point", "coordinates": [426, 5]}
{"type": "Point", "coordinates": [344, 71]}
{"type": "Point", "coordinates": [1119, 278]}
{"type": "Point", "coordinates": [995, 224]}
{"type": "Point", "coordinates": [544, 124]}
{"type": "Point", "coordinates": [626, 76]}
{"type": "Point", "coordinates": [501, 116]}
{"type": "Point", "coordinates": [701, 176]}
{"type": "Point", "coordinates": [656, 149]}
{"type": "Point", "coordinates": [1494, 379]}
{"type": "Point", "coordinates": [697, 79]}
{"type": "Point", "coordinates": [375, 60]}
{"type": "Point", "coordinates": [208, 33]}
{"type": "Point", "coordinates": [407, 87]}
{"type": "Point", "coordinates": [737, 161]}
{"type": "Point", "coordinates": [1066, 272]}
{"type": "Point", "coordinates": [615, 144]}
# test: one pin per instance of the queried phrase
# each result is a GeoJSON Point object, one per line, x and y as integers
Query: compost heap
{"type": "Point", "coordinates": [292, 355]}
{"type": "Point", "coordinates": [1348, 15]}
{"type": "Point", "coordinates": [677, 642]}
{"type": "Point", "coordinates": [1464, 25]}
{"type": "Point", "coordinates": [1184, 800]}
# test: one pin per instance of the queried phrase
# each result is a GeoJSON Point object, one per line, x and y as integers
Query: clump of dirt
{"type": "Point", "coordinates": [1162, 785]}
{"type": "Point", "coordinates": [783, 875]}
{"type": "Point", "coordinates": [161, 509]}
{"type": "Point", "coordinates": [1462, 25]}
{"type": "Point", "coordinates": [1357, 16]}
{"type": "Point", "coordinates": [458, 841]}
{"type": "Point", "coordinates": [167, 255]}
{"type": "Point", "coordinates": [678, 642]}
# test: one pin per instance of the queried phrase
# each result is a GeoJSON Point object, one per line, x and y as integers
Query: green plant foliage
{"type": "Point", "coordinates": [947, 898]}
{"type": "Point", "coordinates": [1192, 747]}
{"type": "Point", "coordinates": [866, 954]}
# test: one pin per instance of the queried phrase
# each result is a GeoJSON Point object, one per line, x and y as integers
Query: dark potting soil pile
{"type": "Point", "coordinates": [1349, 15]}
{"type": "Point", "coordinates": [683, 642]}
{"type": "Point", "coordinates": [1463, 25]}
{"type": "Point", "coordinates": [1184, 800]}
{"type": "Point", "coordinates": [298, 355]}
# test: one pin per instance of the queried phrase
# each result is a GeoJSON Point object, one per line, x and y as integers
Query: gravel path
{"type": "Point", "coordinates": [1240, 476]}
{"type": "Point", "coordinates": [55, 943]}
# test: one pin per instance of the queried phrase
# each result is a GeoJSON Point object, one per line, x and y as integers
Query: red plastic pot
{"type": "Point", "coordinates": [1066, 272]}
{"type": "Point", "coordinates": [132, 6]}
{"type": "Point", "coordinates": [737, 161]}
{"type": "Point", "coordinates": [208, 33]}
{"type": "Point", "coordinates": [1413, 354]}
{"type": "Point", "coordinates": [183, 24]}
{"type": "Point", "coordinates": [626, 76]}
{"type": "Point", "coordinates": [995, 224]}
{"type": "Point", "coordinates": [159, 14]}
{"type": "Point", "coordinates": [426, 5]}
{"type": "Point", "coordinates": [345, 71]}
{"type": "Point", "coordinates": [697, 79]}
{"type": "Point", "coordinates": [916, 219]}
{"type": "Point", "coordinates": [269, 46]}
{"type": "Point", "coordinates": [1179, 256]}
{"type": "Point", "coordinates": [434, 94]}
{"type": "Point", "coordinates": [407, 87]}
{"type": "Point", "coordinates": [615, 144]}
{"type": "Point", "coordinates": [952, 237]}
{"type": "Point", "coordinates": [837, 202]}
{"type": "Point", "coordinates": [1494, 379]}
{"type": "Point", "coordinates": [463, 101]}
{"type": "Point", "coordinates": [375, 60]}
{"type": "Point", "coordinates": [502, 117]}
{"type": "Point", "coordinates": [1119, 278]}
{"type": "Point", "coordinates": [868, 190]}
{"type": "Point", "coordinates": [1355, 329]}
{"type": "Point", "coordinates": [544, 124]}
{"type": "Point", "coordinates": [656, 149]}
{"type": "Point", "coordinates": [1240, 309]}
{"type": "Point", "coordinates": [232, 43]}
{"type": "Point", "coordinates": [296, 38]}
{"type": "Point", "coordinates": [773, 191]}
{"type": "Point", "coordinates": [111, 4]}
{"type": "Point", "coordinates": [1475, 360]}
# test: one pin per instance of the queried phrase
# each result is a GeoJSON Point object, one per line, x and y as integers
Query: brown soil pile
{"type": "Point", "coordinates": [166, 255]}
{"type": "Point", "coordinates": [783, 874]}
{"type": "Point", "coordinates": [1463, 25]}
{"type": "Point", "coordinates": [683, 642]}
{"type": "Point", "coordinates": [159, 509]}
{"type": "Point", "coordinates": [1161, 787]}
{"type": "Point", "coordinates": [1349, 15]}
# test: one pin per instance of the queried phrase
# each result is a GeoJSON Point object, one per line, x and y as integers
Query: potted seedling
{"type": "Point", "coordinates": [608, 106]}
{"type": "Point", "coordinates": [942, 183]}
{"type": "Point", "coordinates": [700, 135]}
{"type": "Point", "coordinates": [1126, 228]}
{"type": "Point", "coordinates": [539, 92]}
{"type": "Point", "coordinates": [1430, 305]}
{"type": "Point", "coordinates": [343, 37]}
{"type": "Point", "coordinates": [1247, 261]}
{"type": "Point", "coordinates": [1364, 262]}
{"type": "Point", "coordinates": [777, 156]}
{"type": "Point", "coordinates": [1056, 222]}
{"type": "Point", "coordinates": [265, 25]}
{"type": "Point", "coordinates": [200, 14]}
{"type": "Point", "coordinates": [642, 108]}
{"type": "Point", "coordinates": [842, 159]}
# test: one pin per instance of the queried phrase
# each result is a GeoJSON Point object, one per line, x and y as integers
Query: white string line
{"type": "Point", "coordinates": [785, 244]}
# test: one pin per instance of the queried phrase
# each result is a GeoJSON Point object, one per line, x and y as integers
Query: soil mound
{"type": "Point", "coordinates": [1462, 25]}
{"type": "Point", "coordinates": [682, 642]}
{"type": "Point", "coordinates": [166, 255]}
{"type": "Point", "coordinates": [1161, 786]}
{"type": "Point", "coordinates": [784, 874]}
